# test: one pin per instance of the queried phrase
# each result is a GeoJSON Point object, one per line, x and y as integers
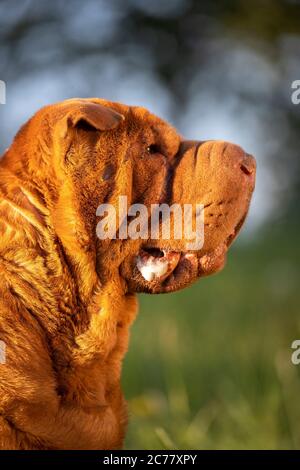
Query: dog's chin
{"type": "Point", "coordinates": [157, 269]}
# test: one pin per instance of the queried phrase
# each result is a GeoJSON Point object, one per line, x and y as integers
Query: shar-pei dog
{"type": "Point", "coordinates": [69, 281]}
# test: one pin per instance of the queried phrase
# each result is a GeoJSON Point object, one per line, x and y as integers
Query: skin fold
{"type": "Point", "coordinates": [67, 298]}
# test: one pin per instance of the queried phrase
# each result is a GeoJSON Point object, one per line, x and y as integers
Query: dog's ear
{"type": "Point", "coordinates": [75, 116]}
{"type": "Point", "coordinates": [92, 115]}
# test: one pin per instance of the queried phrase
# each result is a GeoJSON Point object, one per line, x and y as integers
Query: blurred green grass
{"type": "Point", "coordinates": [210, 367]}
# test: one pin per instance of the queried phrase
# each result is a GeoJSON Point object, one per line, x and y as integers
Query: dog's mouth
{"type": "Point", "coordinates": [155, 264]}
{"type": "Point", "coordinates": [166, 270]}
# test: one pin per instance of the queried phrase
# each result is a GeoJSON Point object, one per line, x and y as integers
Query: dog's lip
{"type": "Point", "coordinates": [166, 270]}
{"type": "Point", "coordinates": [235, 231]}
{"type": "Point", "coordinates": [176, 266]}
{"type": "Point", "coordinates": [156, 265]}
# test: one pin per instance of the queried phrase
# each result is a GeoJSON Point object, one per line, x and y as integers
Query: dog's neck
{"type": "Point", "coordinates": [74, 305]}
{"type": "Point", "coordinates": [28, 220]}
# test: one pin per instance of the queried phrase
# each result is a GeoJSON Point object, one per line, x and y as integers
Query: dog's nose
{"type": "Point", "coordinates": [248, 165]}
{"type": "Point", "coordinates": [239, 159]}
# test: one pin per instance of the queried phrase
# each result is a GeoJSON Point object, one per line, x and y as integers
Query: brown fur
{"type": "Point", "coordinates": [67, 299]}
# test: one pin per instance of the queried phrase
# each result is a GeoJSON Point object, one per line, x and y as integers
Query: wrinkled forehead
{"type": "Point", "coordinates": [138, 120]}
{"type": "Point", "coordinates": [163, 133]}
{"type": "Point", "coordinates": [143, 121]}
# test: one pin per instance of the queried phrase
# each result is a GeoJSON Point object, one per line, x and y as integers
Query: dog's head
{"type": "Point", "coordinates": [93, 161]}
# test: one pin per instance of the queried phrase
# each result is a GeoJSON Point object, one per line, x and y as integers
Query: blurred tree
{"type": "Point", "coordinates": [175, 41]}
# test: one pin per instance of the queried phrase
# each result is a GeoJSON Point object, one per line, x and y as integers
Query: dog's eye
{"type": "Point", "coordinates": [153, 149]}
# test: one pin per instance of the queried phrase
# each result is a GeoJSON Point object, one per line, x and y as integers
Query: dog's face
{"type": "Point", "coordinates": [93, 152]}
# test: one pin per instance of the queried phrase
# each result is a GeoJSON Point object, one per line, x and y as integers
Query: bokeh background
{"type": "Point", "coordinates": [209, 367]}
